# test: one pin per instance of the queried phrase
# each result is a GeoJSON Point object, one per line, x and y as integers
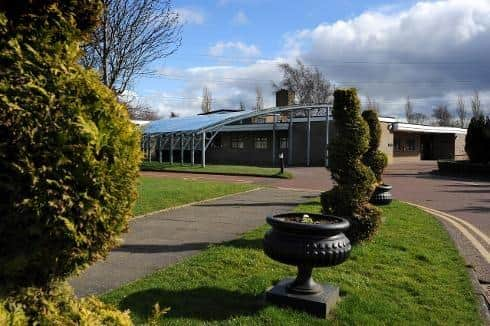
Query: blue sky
{"type": "Point", "coordinates": [431, 51]}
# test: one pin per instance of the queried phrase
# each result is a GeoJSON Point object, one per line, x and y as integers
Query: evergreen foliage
{"type": "Point", "coordinates": [69, 155]}
{"type": "Point", "coordinates": [355, 182]}
{"type": "Point", "coordinates": [58, 305]}
{"type": "Point", "coordinates": [375, 159]}
{"type": "Point", "coordinates": [478, 140]}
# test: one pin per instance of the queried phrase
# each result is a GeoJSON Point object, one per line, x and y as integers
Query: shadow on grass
{"type": "Point", "coordinates": [157, 248]}
{"type": "Point", "coordinates": [203, 303]}
{"type": "Point", "coordinates": [245, 244]}
{"type": "Point", "coordinates": [240, 204]}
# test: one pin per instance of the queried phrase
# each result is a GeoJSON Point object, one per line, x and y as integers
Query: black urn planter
{"type": "Point", "coordinates": [306, 245]}
{"type": "Point", "coordinates": [382, 195]}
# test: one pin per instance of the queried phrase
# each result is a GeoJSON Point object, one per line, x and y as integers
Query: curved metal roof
{"type": "Point", "coordinates": [209, 122]}
{"type": "Point", "coordinates": [187, 124]}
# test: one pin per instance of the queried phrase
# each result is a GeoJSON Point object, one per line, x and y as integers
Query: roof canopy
{"type": "Point", "coordinates": [188, 124]}
{"type": "Point", "coordinates": [209, 122]}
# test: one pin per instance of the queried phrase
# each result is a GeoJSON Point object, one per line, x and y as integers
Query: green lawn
{"type": "Point", "coordinates": [409, 274]}
{"type": "Point", "coordinates": [159, 193]}
{"type": "Point", "coordinates": [217, 169]}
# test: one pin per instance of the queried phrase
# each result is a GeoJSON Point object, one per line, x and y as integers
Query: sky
{"type": "Point", "coordinates": [431, 51]}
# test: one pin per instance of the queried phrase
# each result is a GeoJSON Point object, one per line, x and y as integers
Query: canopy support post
{"type": "Point", "coordinates": [327, 135]}
{"type": "Point", "coordinates": [160, 149]}
{"type": "Point", "coordinates": [290, 138]}
{"type": "Point", "coordinates": [182, 149]}
{"type": "Point", "coordinates": [308, 137]}
{"type": "Point", "coordinates": [274, 140]}
{"type": "Point", "coordinates": [149, 148]}
{"type": "Point", "coordinates": [171, 149]}
{"type": "Point", "coordinates": [203, 155]}
{"type": "Point", "coordinates": [192, 149]}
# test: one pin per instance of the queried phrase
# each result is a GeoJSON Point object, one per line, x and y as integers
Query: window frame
{"type": "Point", "coordinates": [237, 142]}
{"type": "Point", "coordinates": [261, 142]}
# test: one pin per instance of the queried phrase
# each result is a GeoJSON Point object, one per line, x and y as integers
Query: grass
{"type": "Point", "coordinates": [245, 170]}
{"type": "Point", "coordinates": [160, 193]}
{"type": "Point", "coordinates": [410, 273]}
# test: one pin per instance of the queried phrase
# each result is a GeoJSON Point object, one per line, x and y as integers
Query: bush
{"type": "Point", "coordinates": [374, 158]}
{"type": "Point", "coordinates": [69, 155]}
{"type": "Point", "coordinates": [58, 306]}
{"type": "Point", "coordinates": [478, 140]}
{"type": "Point", "coordinates": [355, 181]}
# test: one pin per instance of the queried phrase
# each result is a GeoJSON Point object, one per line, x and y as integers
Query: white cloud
{"type": "Point", "coordinates": [426, 51]}
{"type": "Point", "coordinates": [234, 48]}
{"type": "Point", "coordinates": [191, 15]}
{"type": "Point", "coordinates": [228, 84]}
{"type": "Point", "coordinates": [240, 18]}
{"type": "Point", "coordinates": [431, 51]}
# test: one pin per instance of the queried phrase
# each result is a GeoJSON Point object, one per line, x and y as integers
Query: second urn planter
{"type": "Point", "coordinates": [306, 241]}
{"type": "Point", "coordinates": [382, 195]}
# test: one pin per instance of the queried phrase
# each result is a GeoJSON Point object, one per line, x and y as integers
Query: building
{"type": "Point", "coordinates": [300, 133]}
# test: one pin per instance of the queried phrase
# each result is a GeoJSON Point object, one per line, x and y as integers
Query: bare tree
{"type": "Point", "coordinates": [139, 111]}
{"type": "Point", "coordinates": [131, 35]}
{"type": "Point", "coordinates": [309, 85]}
{"type": "Point", "coordinates": [461, 111]}
{"type": "Point", "coordinates": [418, 118]}
{"type": "Point", "coordinates": [442, 115]}
{"type": "Point", "coordinates": [476, 109]}
{"type": "Point", "coordinates": [207, 99]}
{"type": "Point", "coordinates": [409, 110]}
{"type": "Point", "coordinates": [371, 104]}
{"type": "Point", "coordinates": [259, 99]}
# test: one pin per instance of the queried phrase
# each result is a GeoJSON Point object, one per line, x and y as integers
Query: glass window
{"type": "Point", "coordinates": [283, 143]}
{"type": "Point", "coordinates": [237, 142]}
{"type": "Point", "coordinates": [406, 144]}
{"type": "Point", "coordinates": [397, 144]}
{"type": "Point", "coordinates": [261, 142]}
{"type": "Point", "coordinates": [411, 144]}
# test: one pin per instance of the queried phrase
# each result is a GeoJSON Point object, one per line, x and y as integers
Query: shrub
{"type": "Point", "coordinates": [375, 159]}
{"type": "Point", "coordinates": [478, 140]}
{"type": "Point", "coordinates": [58, 306]}
{"type": "Point", "coordinates": [355, 181]}
{"type": "Point", "coordinates": [69, 155]}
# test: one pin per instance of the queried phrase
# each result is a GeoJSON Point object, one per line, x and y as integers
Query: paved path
{"type": "Point", "coordinates": [161, 239]}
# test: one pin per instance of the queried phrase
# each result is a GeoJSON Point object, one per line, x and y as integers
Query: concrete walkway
{"type": "Point", "coordinates": [162, 239]}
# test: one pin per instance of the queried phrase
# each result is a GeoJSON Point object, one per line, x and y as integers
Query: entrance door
{"type": "Point", "coordinates": [427, 147]}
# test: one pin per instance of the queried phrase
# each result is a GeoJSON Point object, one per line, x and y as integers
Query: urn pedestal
{"type": "Point", "coordinates": [319, 243]}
